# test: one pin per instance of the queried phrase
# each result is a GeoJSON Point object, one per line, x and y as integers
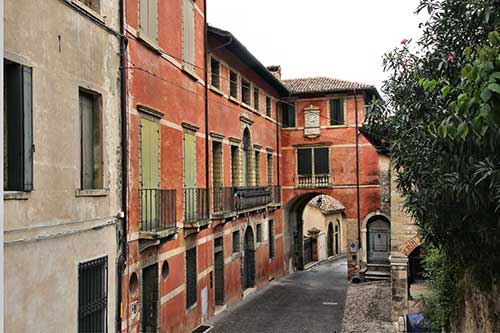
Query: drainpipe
{"type": "Point", "coordinates": [357, 166]}
{"type": "Point", "coordinates": [122, 241]}
{"type": "Point", "coordinates": [205, 73]}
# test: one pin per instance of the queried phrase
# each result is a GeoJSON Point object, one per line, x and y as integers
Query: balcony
{"type": "Point", "coordinates": [314, 181]}
{"type": "Point", "coordinates": [227, 201]}
{"type": "Point", "coordinates": [251, 197]}
{"type": "Point", "coordinates": [276, 196]}
{"type": "Point", "coordinates": [196, 210]}
{"type": "Point", "coordinates": [223, 200]}
{"type": "Point", "coordinates": [158, 213]}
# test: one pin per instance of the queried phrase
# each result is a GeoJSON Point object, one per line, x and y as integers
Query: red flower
{"type": "Point", "coordinates": [404, 41]}
{"type": "Point", "coordinates": [451, 57]}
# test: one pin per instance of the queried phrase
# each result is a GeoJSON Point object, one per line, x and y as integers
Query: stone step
{"type": "Point", "coordinates": [379, 268]}
{"type": "Point", "coordinates": [377, 276]}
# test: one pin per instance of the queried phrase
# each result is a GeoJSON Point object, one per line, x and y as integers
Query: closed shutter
{"type": "Point", "coordinates": [148, 19]}
{"type": "Point", "coordinates": [28, 128]}
{"type": "Point", "coordinates": [150, 154]}
{"type": "Point", "coordinates": [321, 161]}
{"type": "Point", "coordinates": [336, 112]}
{"type": "Point", "coordinates": [269, 169]}
{"type": "Point", "coordinates": [304, 161]}
{"type": "Point", "coordinates": [191, 277]}
{"type": "Point", "coordinates": [188, 34]}
{"type": "Point", "coordinates": [87, 140]}
{"type": "Point", "coordinates": [189, 159]}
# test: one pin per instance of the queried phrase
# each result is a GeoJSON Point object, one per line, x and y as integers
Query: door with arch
{"type": "Point", "coordinates": [337, 238]}
{"type": "Point", "coordinates": [379, 239]}
{"type": "Point", "coordinates": [248, 269]}
{"type": "Point", "coordinates": [329, 239]}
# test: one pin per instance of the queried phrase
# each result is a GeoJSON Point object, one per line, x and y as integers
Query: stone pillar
{"type": "Point", "coordinates": [399, 286]}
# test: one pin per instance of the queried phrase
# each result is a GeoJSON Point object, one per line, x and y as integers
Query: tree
{"type": "Point", "coordinates": [441, 117]}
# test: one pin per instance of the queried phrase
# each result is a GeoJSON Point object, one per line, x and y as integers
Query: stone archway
{"type": "Point", "coordinates": [378, 240]}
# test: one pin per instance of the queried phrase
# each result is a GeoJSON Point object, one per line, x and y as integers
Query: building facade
{"type": "Point", "coordinates": [62, 165]}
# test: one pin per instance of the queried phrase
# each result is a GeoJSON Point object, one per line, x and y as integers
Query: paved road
{"type": "Point", "coordinates": [295, 303]}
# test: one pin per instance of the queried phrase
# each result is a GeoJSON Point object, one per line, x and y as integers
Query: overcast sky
{"type": "Point", "coordinates": [341, 39]}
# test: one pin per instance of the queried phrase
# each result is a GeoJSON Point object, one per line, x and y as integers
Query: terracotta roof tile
{"type": "Point", "coordinates": [322, 85]}
{"type": "Point", "coordinates": [326, 204]}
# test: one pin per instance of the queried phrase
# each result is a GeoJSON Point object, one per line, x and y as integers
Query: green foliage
{"type": "Point", "coordinates": [442, 119]}
{"type": "Point", "coordinates": [442, 274]}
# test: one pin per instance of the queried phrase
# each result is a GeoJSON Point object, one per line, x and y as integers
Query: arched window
{"type": "Point", "coordinates": [247, 152]}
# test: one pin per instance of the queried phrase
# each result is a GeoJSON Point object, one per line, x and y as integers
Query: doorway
{"type": "Point", "coordinates": [337, 238]}
{"type": "Point", "coordinates": [248, 260]}
{"type": "Point", "coordinates": [329, 241]}
{"type": "Point", "coordinates": [219, 270]}
{"type": "Point", "coordinates": [379, 238]}
{"type": "Point", "coordinates": [150, 299]}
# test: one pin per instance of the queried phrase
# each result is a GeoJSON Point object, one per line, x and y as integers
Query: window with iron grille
{"type": "Point", "coordinates": [91, 140]}
{"type": "Point", "coordinates": [95, 5]}
{"type": "Point", "coordinates": [236, 241]}
{"type": "Point", "coordinates": [259, 233]}
{"type": "Point", "coordinates": [287, 115]}
{"type": "Point", "coordinates": [271, 239]}
{"type": "Point", "coordinates": [92, 295]}
{"type": "Point", "coordinates": [336, 112]}
{"type": "Point", "coordinates": [17, 128]}
{"type": "Point", "coordinates": [257, 168]}
{"type": "Point", "coordinates": [256, 102]}
{"type": "Point", "coordinates": [245, 91]}
{"type": "Point", "coordinates": [312, 161]}
{"type": "Point", "coordinates": [233, 84]}
{"type": "Point", "coordinates": [215, 73]}
{"type": "Point", "coordinates": [191, 277]}
{"type": "Point", "coordinates": [268, 107]}
{"type": "Point", "coordinates": [235, 165]}
{"type": "Point", "coordinates": [269, 169]}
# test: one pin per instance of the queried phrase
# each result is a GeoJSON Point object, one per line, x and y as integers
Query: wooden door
{"type": "Point", "coordinates": [219, 270]}
{"type": "Point", "coordinates": [150, 299]}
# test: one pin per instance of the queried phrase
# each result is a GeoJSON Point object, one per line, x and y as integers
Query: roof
{"type": "Point", "coordinates": [326, 204]}
{"type": "Point", "coordinates": [381, 144]}
{"type": "Point", "coordinates": [323, 85]}
{"type": "Point", "coordinates": [236, 47]}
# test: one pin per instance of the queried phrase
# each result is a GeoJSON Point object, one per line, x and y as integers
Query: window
{"type": "Point", "coordinates": [308, 165]}
{"type": "Point", "coordinates": [269, 111]}
{"type": "Point", "coordinates": [235, 165]}
{"type": "Point", "coordinates": [245, 91]}
{"type": "Point", "coordinates": [18, 127]}
{"type": "Point", "coordinates": [91, 141]}
{"type": "Point", "coordinates": [92, 295]}
{"type": "Point", "coordinates": [95, 5]}
{"type": "Point", "coordinates": [257, 168]}
{"type": "Point", "coordinates": [271, 239]}
{"type": "Point", "coordinates": [148, 20]}
{"type": "Point", "coordinates": [336, 112]}
{"type": "Point", "coordinates": [259, 233]}
{"type": "Point", "coordinates": [188, 35]}
{"type": "Point", "coordinates": [215, 72]}
{"type": "Point", "coordinates": [269, 169]}
{"type": "Point", "coordinates": [256, 98]}
{"type": "Point", "coordinates": [191, 277]}
{"type": "Point", "coordinates": [236, 241]}
{"type": "Point", "coordinates": [217, 168]}
{"type": "Point", "coordinates": [287, 115]}
{"type": "Point", "coordinates": [233, 84]}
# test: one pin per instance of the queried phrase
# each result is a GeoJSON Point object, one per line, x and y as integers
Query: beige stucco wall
{"type": "Point", "coordinates": [51, 230]}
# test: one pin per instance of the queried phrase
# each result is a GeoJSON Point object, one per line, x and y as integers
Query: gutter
{"type": "Point", "coordinates": [122, 232]}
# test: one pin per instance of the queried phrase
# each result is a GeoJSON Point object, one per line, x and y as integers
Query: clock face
{"type": "Point", "coordinates": [312, 119]}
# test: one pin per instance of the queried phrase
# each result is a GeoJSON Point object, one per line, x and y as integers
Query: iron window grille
{"type": "Point", "coordinates": [215, 73]}
{"type": "Point", "coordinates": [245, 92]}
{"type": "Point", "coordinates": [92, 295]}
{"type": "Point", "coordinates": [268, 107]}
{"type": "Point", "coordinates": [259, 233]}
{"type": "Point", "coordinates": [191, 277]}
{"type": "Point", "coordinates": [256, 101]}
{"type": "Point", "coordinates": [236, 241]}
{"type": "Point", "coordinates": [233, 84]}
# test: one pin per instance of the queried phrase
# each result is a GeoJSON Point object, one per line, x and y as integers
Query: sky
{"type": "Point", "coordinates": [340, 39]}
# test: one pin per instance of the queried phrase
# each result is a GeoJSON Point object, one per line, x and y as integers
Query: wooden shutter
{"type": "Point", "coordinates": [28, 128]}
{"type": "Point", "coordinates": [150, 154]}
{"type": "Point", "coordinates": [189, 159]}
{"type": "Point", "coordinates": [188, 34]}
{"type": "Point", "coordinates": [87, 140]}
{"type": "Point", "coordinates": [304, 161]}
{"type": "Point", "coordinates": [269, 169]}
{"type": "Point", "coordinates": [153, 20]}
{"type": "Point", "coordinates": [336, 112]}
{"type": "Point", "coordinates": [144, 17]}
{"type": "Point", "coordinates": [321, 161]}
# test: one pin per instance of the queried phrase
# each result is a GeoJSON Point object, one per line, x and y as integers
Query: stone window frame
{"type": "Point", "coordinates": [327, 100]}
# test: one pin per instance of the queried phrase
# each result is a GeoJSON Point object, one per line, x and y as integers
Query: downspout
{"type": "Point", "coordinates": [357, 166]}
{"type": "Point", "coordinates": [122, 242]}
{"type": "Point", "coordinates": [205, 73]}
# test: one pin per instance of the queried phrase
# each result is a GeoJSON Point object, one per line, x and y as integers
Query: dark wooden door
{"type": "Point", "coordinates": [379, 238]}
{"type": "Point", "coordinates": [329, 241]}
{"type": "Point", "coordinates": [336, 240]}
{"type": "Point", "coordinates": [150, 299]}
{"type": "Point", "coordinates": [219, 270]}
{"type": "Point", "coordinates": [249, 260]}
{"type": "Point", "coordinates": [307, 250]}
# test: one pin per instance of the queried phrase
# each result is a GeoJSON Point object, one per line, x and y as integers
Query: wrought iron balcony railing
{"type": "Point", "coordinates": [195, 204]}
{"type": "Point", "coordinates": [250, 197]}
{"type": "Point", "coordinates": [276, 191]}
{"type": "Point", "coordinates": [223, 200]}
{"type": "Point", "coordinates": [158, 211]}
{"type": "Point", "coordinates": [322, 180]}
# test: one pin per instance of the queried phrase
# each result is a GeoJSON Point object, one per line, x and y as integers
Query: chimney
{"type": "Point", "coordinates": [275, 70]}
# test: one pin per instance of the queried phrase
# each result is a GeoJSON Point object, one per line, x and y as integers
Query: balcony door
{"type": "Point", "coordinates": [190, 196]}
{"type": "Point", "coordinates": [150, 172]}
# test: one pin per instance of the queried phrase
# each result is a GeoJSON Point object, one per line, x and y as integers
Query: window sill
{"type": "Point", "coordinates": [235, 255]}
{"type": "Point", "coordinates": [248, 107]}
{"type": "Point", "coordinates": [92, 193]}
{"type": "Point", "coordinates": [234, 100]}
{"type": "Point", "coordinates": [16, 195]}
{"type": "Point", "coordinates": [89, 10]}
{"type": "Point", "coordinates": [148, 43]}
{"type": "Point", "coordinates": [290, 128]}
{"type": "Point", "coordinates": [337, 126]}
{"type": "Point", "coordinates": [190, 72]}
{"type": "Point", "coordinates": [216, 90]}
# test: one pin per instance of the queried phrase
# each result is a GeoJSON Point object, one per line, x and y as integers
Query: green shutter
{"type": "Point", "coordinates": [153, 20]}
{"type": "Point", "coordinates": [150, 154]}
{"type": "Point", "coordinates": [189, 159]}
{"type": "Point", "coordinates": [188, 33]}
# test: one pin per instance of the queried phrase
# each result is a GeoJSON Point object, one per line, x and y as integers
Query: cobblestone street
{"type": "Point", "coordinates": [307, 301]}
{"type": "Point", "coordinates": [368, 308]}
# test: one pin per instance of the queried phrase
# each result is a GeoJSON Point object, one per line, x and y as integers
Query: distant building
{"type": "Point", "coordinates": [61, 165]}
